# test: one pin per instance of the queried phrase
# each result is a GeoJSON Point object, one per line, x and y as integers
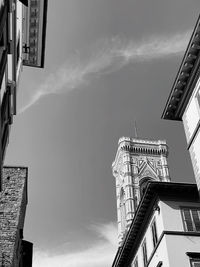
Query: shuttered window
{"type": "Point", "coordinates": [196, 219]}
{"type": "Point", "coordinates": [194, 258]}
{"type": "Point", "coordinates": [123, 209]}
{"type": "Point", "coordinates": [195, 263]}
{"type": "Point", "coordinates": [198, 97]}
{"type": "Point", "coordinates": [154, 233]}
{"type": "Point", "coordinates": [144, 251]}
{"type": "Point", "coordinates": [191, 217]}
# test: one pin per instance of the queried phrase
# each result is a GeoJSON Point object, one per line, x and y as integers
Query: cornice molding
{"type": "Point", "coordinates": [139, 146]}
{"type": "Point", "coordinates": [186, 78]}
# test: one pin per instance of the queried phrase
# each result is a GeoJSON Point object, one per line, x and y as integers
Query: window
{"type": "Point", "coordinates": [195, 263]}
{"type": "Point", "coordinates": [18, 49]}
{"type": "Point", "coordinates": [191, 218]}
{"type": "Point", "coordinates": [154, 233]}
{"type": "Point", "coordinates": [144, 251]}
{"type": "Point", "coordinates": [2, 48]}
{"type": "Point", "coordinates": [198, 97]}
{"type": "Point", "coordinates": [3, 86]}
{"type": "Point", "coordinates": [2, 5]}
{"type": "Point", "coordinates": [135, 263]}
{"type": "Point", "coordinates": [123, 209]}
{"type": "Point", "coordinates": [194, 259]}
{"type": "Point", "coordinates": [2, 43]}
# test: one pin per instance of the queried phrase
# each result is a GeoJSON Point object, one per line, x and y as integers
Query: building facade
{"type": "Point", "coordinates": [22, 42]}
{"type": "Point", "coordinates": [137, 162]}
{"type": "Point", "coordinates": [158, 221]}
{"type": "Point", "coordinates": [14, 250]}
{"type": "Point", "coordinates": [184, 100]}
{"type": "Point", "coordinates": [165, 230]}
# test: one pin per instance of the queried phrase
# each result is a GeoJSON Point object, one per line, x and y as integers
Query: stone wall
{"type": "Point", "coordinates": [13, 201]}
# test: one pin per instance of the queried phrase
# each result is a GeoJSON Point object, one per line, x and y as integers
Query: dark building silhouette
{"type": "Point", "coordinates": [14, 251]}
{"type": "Point", "coordinates": [22, 43]}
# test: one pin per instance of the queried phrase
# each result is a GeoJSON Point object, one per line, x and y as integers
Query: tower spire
{"type": "Point", "coordinates": [135, 129]}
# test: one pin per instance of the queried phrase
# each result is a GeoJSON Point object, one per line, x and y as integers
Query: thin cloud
{"type": "Point", "coordinates": [99, 254]}
{"type": "Point", "coordinates": [108, 56]}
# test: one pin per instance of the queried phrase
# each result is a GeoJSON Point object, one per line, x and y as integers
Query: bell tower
{"type": "Point", "coordinates": [137, 161]}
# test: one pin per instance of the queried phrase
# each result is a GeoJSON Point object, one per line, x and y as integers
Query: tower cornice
{"type": "Point", "coordinates": [134, 146]}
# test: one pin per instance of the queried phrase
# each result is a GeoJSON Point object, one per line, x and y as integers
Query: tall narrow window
{"type": "Point", "coordinates": [198, 97]}
{"type": "Point", "coordinates": [2, 47]}
{"type": "Point", "coordinates": [2, 42]}
{"type": "Point", "coordinates": [18, 49]}
{"type": "Point", "coordinates": [123, 209]}
{"type": "Point", "coordinates": [144, 251]}
{"type": "Point", "coordinates": [191, 217]}
{"type": "Point", "coordinates": [154, 233]}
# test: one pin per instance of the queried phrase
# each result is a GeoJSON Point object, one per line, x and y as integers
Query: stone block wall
{"type": "Point", "coordinates": [13, 201]}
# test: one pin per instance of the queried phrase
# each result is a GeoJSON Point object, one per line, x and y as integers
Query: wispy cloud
{"type": "Point", "coordinates": [106, 57]}
{"type": "Point", "coordinates": [99, 254]}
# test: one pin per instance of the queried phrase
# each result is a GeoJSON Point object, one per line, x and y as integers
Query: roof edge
{"type": "Point", "coordinates": [183, 85]}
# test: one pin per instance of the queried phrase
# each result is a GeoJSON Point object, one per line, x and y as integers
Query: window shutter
{"type": "Point", "coordinates": [144, 250]}
{"type": "Point", "coordinates": [198, 97]}
{"type": "Point", "coordinates": [196, 219]}
{"type": "Point", "coordinates": [154, 233]}
{"type": "Point", "coordinates": [188, 220]}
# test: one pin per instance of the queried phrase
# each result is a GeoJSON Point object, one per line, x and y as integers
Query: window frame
{"type": "Point", "coordinates": [154, 233]}
{"type": "Point", "coordinates": [135, 263]}
{"type": "Point", "coordinates": [193, 223]}
{"type": "Point", "coordinates": [197, 99]}
{"type": "Point", "coordinates": [144, 252]}
{"type": "Point", "coordinates": [18, 49]}
{"type": "Point", "coordinates": [194, 257]}
{"type": "Point", "coordinates": [193, 261]}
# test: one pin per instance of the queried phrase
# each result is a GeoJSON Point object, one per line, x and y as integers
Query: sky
{"type": "Point", "coordinates": [108, 64]}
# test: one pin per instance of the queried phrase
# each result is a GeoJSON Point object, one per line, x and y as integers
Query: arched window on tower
{"type": "Point", "coordinates": [123, 209]}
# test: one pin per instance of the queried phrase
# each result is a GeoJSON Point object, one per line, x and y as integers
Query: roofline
{"type": "Point", "coordinates": [125, 253]}
{"type": "Point", "coordinates": [186, 78]}
{"type": "Point", "coordinates": [132, 145]}
{"type": "Point", "coordinates": [15, 167]}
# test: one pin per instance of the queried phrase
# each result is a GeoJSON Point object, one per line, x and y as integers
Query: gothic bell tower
{"type": "Point", "coordinates": [137, 161]}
